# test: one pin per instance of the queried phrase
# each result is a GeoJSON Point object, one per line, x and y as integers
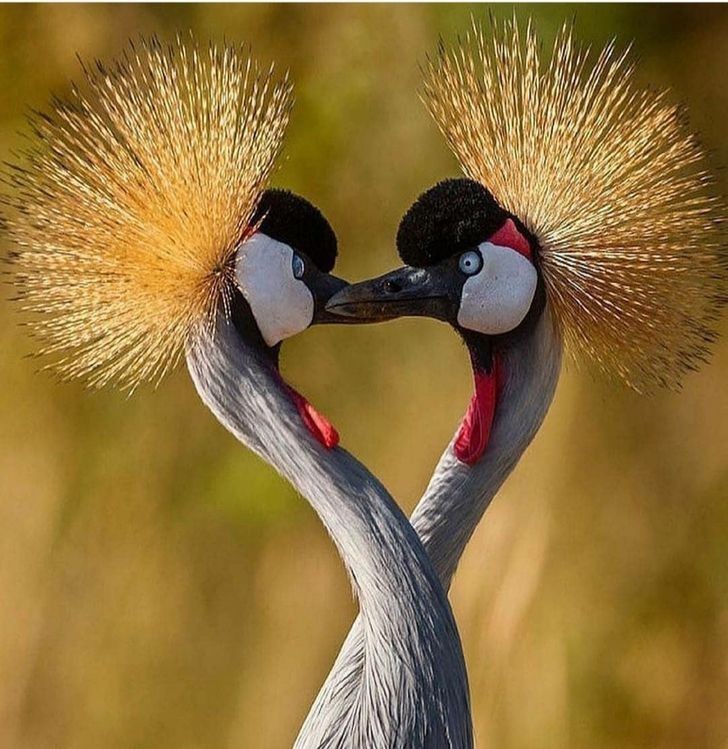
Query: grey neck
{"type": "Point", "coordinates": [413, 689]}
{"type": "Point", "coordinates": [458, 495]}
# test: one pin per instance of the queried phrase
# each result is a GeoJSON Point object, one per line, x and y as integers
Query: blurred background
{"type": "Point", "coordinates": [160, 587]}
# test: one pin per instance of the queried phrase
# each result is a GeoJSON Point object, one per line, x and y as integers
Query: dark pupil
{"type": "Point", "coordinates": [469, 262]}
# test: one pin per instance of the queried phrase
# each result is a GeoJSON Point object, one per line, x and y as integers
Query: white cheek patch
{"type": "Point", "coordinates": [282, 304]}
{"type": "Point", "coordinates": [496, 299]}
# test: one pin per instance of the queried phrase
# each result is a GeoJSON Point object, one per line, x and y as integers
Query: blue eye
{"type": "Point", "coordinates": [299, 267]}
{"type": "Point", "coordinates": [470, 262]}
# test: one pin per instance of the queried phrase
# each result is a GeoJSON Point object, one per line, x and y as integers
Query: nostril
{"type": "Point", "coordinates": [392, 287]}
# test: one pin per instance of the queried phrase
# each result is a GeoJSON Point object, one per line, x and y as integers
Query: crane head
{"type": "Point", "coordinates": [597, 180]}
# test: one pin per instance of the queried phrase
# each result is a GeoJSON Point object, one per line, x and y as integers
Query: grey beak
{"type": "Point", "coordinates": [404, 292]}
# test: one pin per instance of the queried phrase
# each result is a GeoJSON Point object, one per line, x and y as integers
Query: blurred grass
{"type": "Point", "coordinates": [160, 587]}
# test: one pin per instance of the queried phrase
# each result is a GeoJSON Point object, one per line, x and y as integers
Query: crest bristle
{"type": "Point", "coordinates": [132, 198]}
{"type": "Point", "coordinates": [608, 177]}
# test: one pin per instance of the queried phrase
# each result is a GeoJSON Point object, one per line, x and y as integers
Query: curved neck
{"type": "Point", "coordinates": [414, 671]}
{"type": "Point", "coordinates": [458, 494]}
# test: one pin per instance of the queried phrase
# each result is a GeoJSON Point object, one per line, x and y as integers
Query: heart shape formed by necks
{"type": "Point", "coordinates": [474, 433]}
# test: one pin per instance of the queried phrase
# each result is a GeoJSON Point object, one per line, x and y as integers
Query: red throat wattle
{"type": "Point", "coordinates": [317, 424]}
{"type": "Point", "coordinates": [474, 433]}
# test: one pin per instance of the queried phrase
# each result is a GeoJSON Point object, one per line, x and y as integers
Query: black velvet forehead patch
{"type": "Point", "coordinates": [453, 216]}
{"type": "Point", "coordinates": [291, 219]}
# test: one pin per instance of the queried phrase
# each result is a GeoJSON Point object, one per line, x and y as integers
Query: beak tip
{"type": "Point", "coordinates": [341, 310]}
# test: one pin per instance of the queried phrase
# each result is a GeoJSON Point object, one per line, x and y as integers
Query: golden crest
{"type": "Point", "coordinates": [609, 177]}
{"type": "Point", "coordinates": [132, 199]}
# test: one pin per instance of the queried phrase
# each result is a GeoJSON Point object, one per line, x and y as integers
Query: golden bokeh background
{"type": "Point", "coordinates": [162, 588]}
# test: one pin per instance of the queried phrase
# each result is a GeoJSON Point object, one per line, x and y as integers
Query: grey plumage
{"type": "Point", "coordinates": [458, 495]}
{"type": "Point", "coordinates": [411, 687]}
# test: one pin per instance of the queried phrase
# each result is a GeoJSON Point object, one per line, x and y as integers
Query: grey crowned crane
{"type": "Point", "coordinates": [587, 219]}
{"type": "Point", "coordinates": [143, 233]}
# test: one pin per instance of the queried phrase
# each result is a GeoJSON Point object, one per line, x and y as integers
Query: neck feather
{"type": "Point", "coordinates": [414, 684]}
{"type": "Point", "coordinates": [458, 494]}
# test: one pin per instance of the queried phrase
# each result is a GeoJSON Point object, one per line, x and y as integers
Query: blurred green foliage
{"type": "Point", "coordinates": [160, 587]}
